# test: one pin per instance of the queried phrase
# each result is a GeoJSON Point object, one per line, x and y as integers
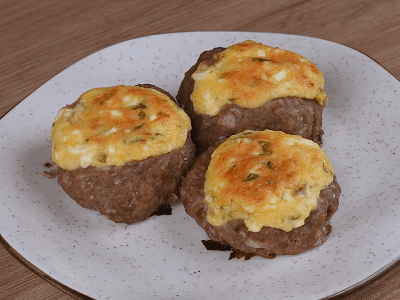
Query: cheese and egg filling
{"type": "Point", "coordinates": [249, 74]}
{"type": "Point", "coordinates": [116, 125]}
{"type": "Point", "coordinates": [267, 178]}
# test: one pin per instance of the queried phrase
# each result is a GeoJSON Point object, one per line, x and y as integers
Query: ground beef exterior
{"type": "Point", "coordinates": [268, 242]}
{"type": "Point", "coordinates": [130, 193]}
{"type": "Point", "coordinates": [292, 115]}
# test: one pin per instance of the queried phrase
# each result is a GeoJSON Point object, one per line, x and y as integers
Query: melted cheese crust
{"type": "Point", "coordinates": [116, 125]}
{"type": "Point", "coordinates": [267, 178]}
{"type": "Point", "coordinates": [249, 74]}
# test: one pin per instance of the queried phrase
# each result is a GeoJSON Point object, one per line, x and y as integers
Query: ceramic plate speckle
{"type": "Point", "coordinates": [163, 257]}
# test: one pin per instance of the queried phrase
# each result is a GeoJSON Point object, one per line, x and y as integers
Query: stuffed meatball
{"type": "Point", "coordinates": [252, 86]}
{"type": "Point", "coordinates": [263, 193]}
{"type": "Point", "coordinates": [122, 150]}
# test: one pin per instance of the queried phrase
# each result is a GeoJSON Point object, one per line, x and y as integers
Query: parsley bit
{"type": "Point", "coordinates": [108, 96]}
{"type": "Point", "coordinates": [268, 152]}
{"type": "Point", "coordinates": [295, 217]}
{"type": "Point", "coordinates": [130, 142]}
{"type": "Point", "coordinates": [102, 157]}
{"type": "Point", "coordinates": [259, 59]}
{"type": "Point", "coordinates": [251, 176]}
{"type": "Point", "coordinates": [138, 126]}
{"type": "Point", "coordinates": [271, 165]}
{"type": "Point", "coordinates": [327, 170]}
{"type": "Point", "coordinates": [139, 106]}
{"type": "Point", "coordinates": [253, 84]}
{"type": "Point", "coordinates": [264, 145]}
{"type": "Point", "coordinates": [142, 115]}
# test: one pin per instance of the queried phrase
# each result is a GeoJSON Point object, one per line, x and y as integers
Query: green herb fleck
{"type": "Point", "coordinates": [108, 96]}
{"type": "Point", "coordinates": [259, 59]}
{"type": "Point", "coordinates": [295, 217]}
{"type": "Point", "coordinates": [129, 142]}
{"type": "Point", "coordinates": [327, 170]}
{"type": "Point", "coordinates": [142, 115]}
{"type": "Point", "coordinates": [269, 152]}
{"type": "Point", "coordinates": [102, 157]}
{"type": "Point", "coordinates": [231, 168]}
{"type": "Point", "coordinates": [254, 84]}
{"type": "Point", "coordinates": [264, 146]}
{"type": "Point", "coordinates": [138, 126]}
{"type": "Point", "coordinates": [300, 190]}
{"type": "Point", "coordinates": [271, 182]}
{"type": "Point", "coordinates": [251, 176]}
{"type": "Point", "coordinates": [139, 106]}
{"type": "Point", "coordinates": [270, 164]}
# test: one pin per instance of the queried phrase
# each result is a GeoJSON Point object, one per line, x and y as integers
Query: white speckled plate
{"type": "Point", "coordinates": [163, 257]}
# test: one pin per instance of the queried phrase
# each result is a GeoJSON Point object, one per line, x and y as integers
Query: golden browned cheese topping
{"type": "Point", "coordinates": [116, 125]}
{"type": "Point", "coordinates": [267, 178]}
{"type": "Point", "coordinates": [249, 74]}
